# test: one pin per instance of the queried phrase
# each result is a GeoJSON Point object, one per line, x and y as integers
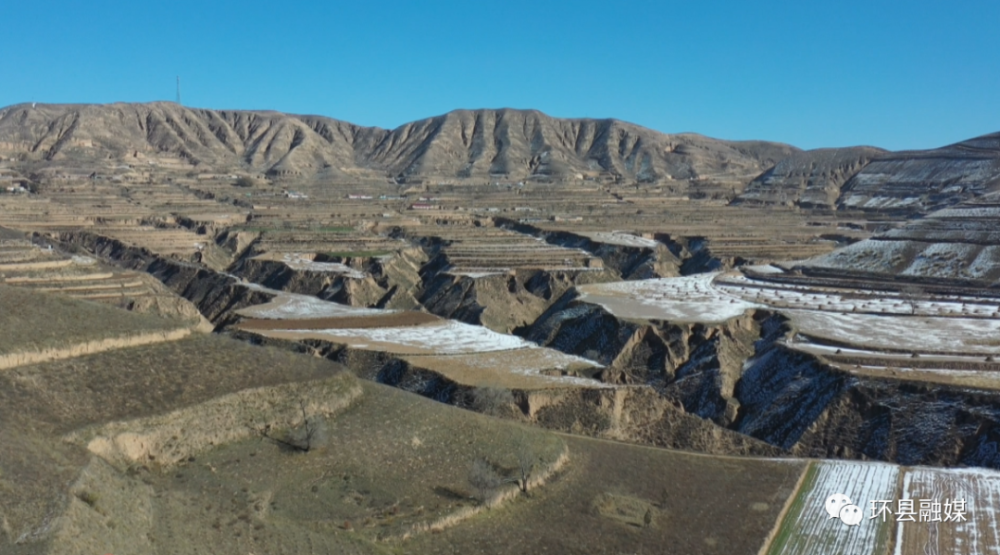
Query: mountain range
{"type": "Point", "coordinates": [498, 145]}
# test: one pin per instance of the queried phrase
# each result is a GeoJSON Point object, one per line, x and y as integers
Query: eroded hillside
{"type": "Point", "coordinates": [507, 144]}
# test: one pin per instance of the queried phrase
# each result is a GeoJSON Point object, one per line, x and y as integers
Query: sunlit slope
{"type": "Point", "coordinates": [514, 144]}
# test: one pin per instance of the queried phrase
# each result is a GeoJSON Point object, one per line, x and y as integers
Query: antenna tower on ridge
{"type": "Point", "coordinates": [178, 89]}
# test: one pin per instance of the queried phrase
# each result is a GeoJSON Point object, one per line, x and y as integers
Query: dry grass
{"type": "Point", "coordinates": [142, 381]}
{"type": "Point", "coordinates": [347, 322]}
{"type": "Point", "coordinates": [33, 321]}
{"type": "Point", "coordinates": [396, 465]}
{"type": "Point", "coordinates": [696, 504]}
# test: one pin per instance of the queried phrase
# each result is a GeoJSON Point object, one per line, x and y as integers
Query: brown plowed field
{"type": "Point", "coordinates": [351, 322]}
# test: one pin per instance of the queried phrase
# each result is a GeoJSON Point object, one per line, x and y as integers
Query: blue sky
{"type": "Point", "coordinates": [895, 74]}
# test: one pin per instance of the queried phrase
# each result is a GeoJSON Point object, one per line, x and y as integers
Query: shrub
{"type": "Point", "coordinates": [494, 401]}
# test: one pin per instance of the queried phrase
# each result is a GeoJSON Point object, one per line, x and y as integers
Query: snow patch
{"type": "Point", "coordinates": [620, 238]}
{"type": "Point", "coordinates": [298, 261]}
{"type": "Point", "coordinates": [689, 298]}
{"type": "Point", "coordinates": [447, 337]}
{"type": "Point", "coordinates": [292, 306]}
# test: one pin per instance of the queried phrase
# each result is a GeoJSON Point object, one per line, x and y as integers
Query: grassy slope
{"type": "Point", "coordinates": [35, 321]}
{"type": "Point", "coordinates": [39, 403]}
{"type": "Point", "coordinates": [393, 461]}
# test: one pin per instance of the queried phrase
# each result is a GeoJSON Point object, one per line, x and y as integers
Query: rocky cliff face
{"type": "Point", "coordinates": [509, 144]}
{"type": "Point", "coordinates": [741, 376]}
{"type": "Point", "coordinates": [733, 387]}
{"type": "Point", "coordinates": [634, 414]}
{"type": "Point", "coordinates": [502, 302]}
{"type": "Point", "coordinates": [375, 283]}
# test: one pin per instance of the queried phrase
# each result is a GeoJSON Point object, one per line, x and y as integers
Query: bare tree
{"type": "Point", "coordinates": [309, 435]}
{"type": "Point", "coordinates": [527, 461]}
{"type": "Point", "coordinates": [484, 479]}
{"type": "Point", "coordinates": [912, 294]}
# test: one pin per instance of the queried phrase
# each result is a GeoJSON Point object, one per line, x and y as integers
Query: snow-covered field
{"type": "Point", "coordinates": [620, 238]}
{"type": "Point", "coordinates": [528, 368]}
{"type": "Point", "coordinates": [289, 306]}
{"type": "Point", "coordinates": [861, 301]}
{"type": "Point", "coordinates": [807, 528]}
{"type": "Point", "coordinates": [979, 533]}
{"type": "Point", "coordinates": [871, 331]}
{"type": "Point", "coordinates": [444, 337]}
{"type": "Point", "coordinates": [469, 354]}
{"type": "Point", "coordinates": [683, 299]}
{"type": "Point", "coordinates": [871, 320]}
{"type": "Point", "coordinates": [304, 262]}
{"type": "Point", "coordinates": [479, 274]}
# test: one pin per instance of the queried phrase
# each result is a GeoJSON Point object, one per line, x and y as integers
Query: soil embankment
{"type": "Point", "coordinates": [22, 358]}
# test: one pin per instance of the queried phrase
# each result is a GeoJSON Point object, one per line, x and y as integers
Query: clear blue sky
{"type": "Point", "coordinates": [896, 74]}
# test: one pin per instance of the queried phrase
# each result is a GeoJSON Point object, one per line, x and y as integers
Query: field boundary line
{"type": "Point", "coordinates": [796, 491]}
{"type": "Point", "coordinates": [506, 494]}
{"type": "Point", "coordinates": [895, 542]}
{"type": "Point", "coordinates": [13, 360]}
{"type": "Point", "coordinates": [757, 458]}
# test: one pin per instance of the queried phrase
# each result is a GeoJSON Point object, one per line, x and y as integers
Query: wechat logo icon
{"type": "Point", "coordinates": [839, 506]}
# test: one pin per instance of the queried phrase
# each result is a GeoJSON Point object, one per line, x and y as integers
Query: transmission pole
{"type": "Point", "coordinates": [178, 89]}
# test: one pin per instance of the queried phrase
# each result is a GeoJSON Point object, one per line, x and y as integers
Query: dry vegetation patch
{"type": "Point", "coordinates": [696, 504]}
{"type": "Point", "coordinates": [388, 320]}
{"type": "Point", "coordinates": [395, 465]}
{"type": "Point", "coordinates": [34, 321]}
{"type": "Point", "coordinates": [147, 380]}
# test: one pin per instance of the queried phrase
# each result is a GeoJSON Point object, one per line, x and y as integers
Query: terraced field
{"type": "Point", "coordinates": [807, 528]}
{"type": "Point", "coordinates": [40, 326]}
{"type": "Point", "coordinates": [480, 252]}
{"type": "Point", "coordinates": [28, 266]}
{"type": "Point", "coordinates": [947, 338]}
{"type": "Point", "coordinates": [466, 354]}
{"type": "Point", "coordinates": [938, 524]}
